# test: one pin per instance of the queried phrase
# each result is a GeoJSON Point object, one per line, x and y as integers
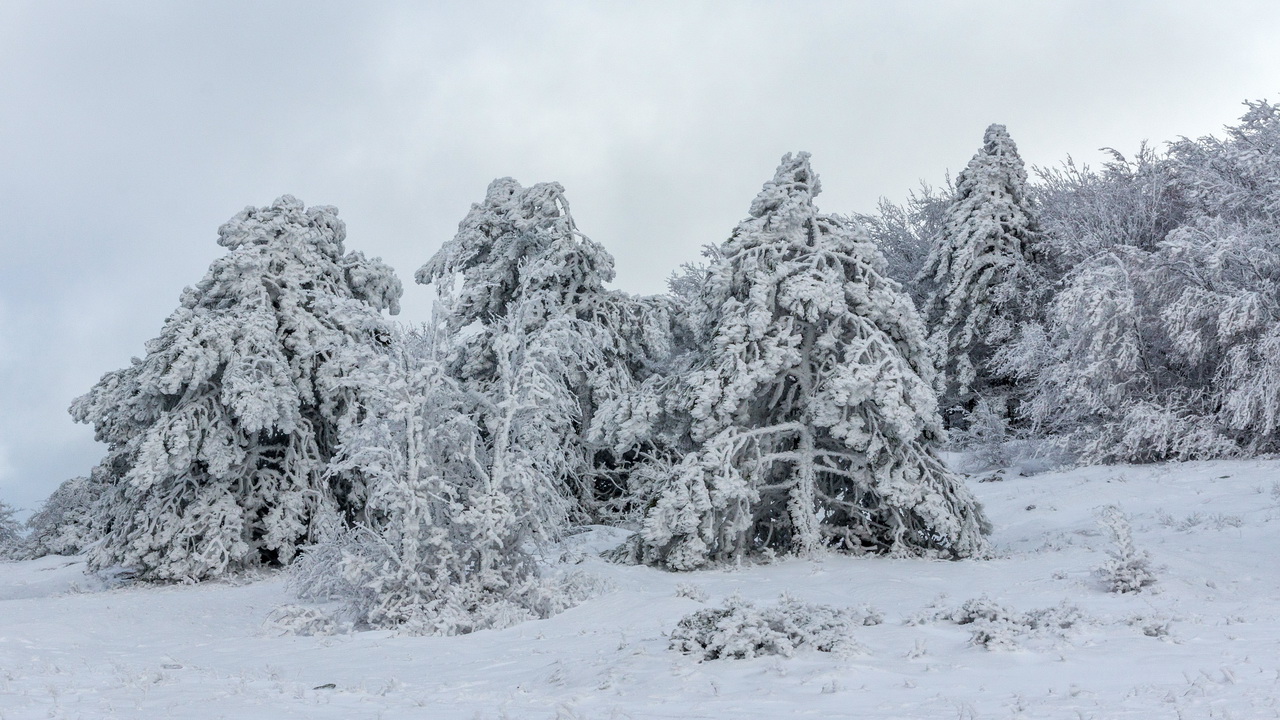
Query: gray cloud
{"type": "Point", "coordinates": [130, 131]}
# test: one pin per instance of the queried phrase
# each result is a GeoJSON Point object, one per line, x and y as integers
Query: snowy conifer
{"type": "Point", "coordinates": [219, 438]}
{"type": "Point", "coordinates": [980, 268]}
{"type": "Point", "coordinates": [519, 274]}
{"type": "Point", "coordinates": [812, 408]}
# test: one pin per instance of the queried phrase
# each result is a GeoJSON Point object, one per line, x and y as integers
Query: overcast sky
{"type": "Point", "coordinates": [129, 131]}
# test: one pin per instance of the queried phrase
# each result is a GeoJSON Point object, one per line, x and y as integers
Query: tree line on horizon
{"type": "Point", "coordinates": [790, 395]}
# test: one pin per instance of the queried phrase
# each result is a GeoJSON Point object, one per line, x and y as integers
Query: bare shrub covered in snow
{"type": "Point", "coordinates": [1162, 341]}
{"type": "Point", "coordinates": [987, 438]}
{"type": "Point", "coordinates": [443, 545]}
{"type": "Point", "coordinates": [358, 580]}
{"type": "Point", "coordinates": [1129, 569]}
{"type": "Point", "coordinates": [739, 630]}
{"type": "Point", "coordinates": [304, 620]}
{"type": "Point", "coordinates": [1151, 625]}
{"type": "Point", "coordinates": [689, 590]}
{"type": "Point", "coordinates": [998, 627]}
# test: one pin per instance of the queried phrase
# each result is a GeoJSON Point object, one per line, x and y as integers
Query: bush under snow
{"type": "Point", "coordinates": [740, 629]}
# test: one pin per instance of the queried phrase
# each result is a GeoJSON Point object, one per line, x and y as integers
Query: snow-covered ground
{"type": "Point", "coordinates": [1204, 641]}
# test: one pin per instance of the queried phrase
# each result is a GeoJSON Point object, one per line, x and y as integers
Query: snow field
{"type": "Point", "coordinates": [1203, 642]}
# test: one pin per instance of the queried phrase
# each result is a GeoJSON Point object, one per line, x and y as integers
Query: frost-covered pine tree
{"type": "Point", "coordinates": [980, 269]}
{"type": "Point", "coordinates": [520, 275]}
{"type": "Point", "coordinates": [219, 439]}
{"type": "Point", "coordinates": [812, 408]}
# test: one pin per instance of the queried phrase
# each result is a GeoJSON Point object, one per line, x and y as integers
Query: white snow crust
{"type": "Point", "coordinates": [1203, 641]}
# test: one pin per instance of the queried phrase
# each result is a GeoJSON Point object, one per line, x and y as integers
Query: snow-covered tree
{"type": "Point", "coordinates": [1161, 344]}
{"type": "Point", "coordinates": [981, 271]}
{"type": "Point", "coordinates": [1129, 202]}
{"type": "Point", "coordinates": [516, 269]}
{"type": "Point", "coordinates": [439, 546]}
{"type": "Point", "coordinates": [811, 407]}
{"type": "Point", "coordinates": [1163, 355]}
{"type": "Point", "coordinates": [219, 438]}
{"type": "Point", "coordinates": [1102, 379]}
{"type": "Point", "coordinates": [904, 233]}
{"type": "Point", "coordinates": [10, 532]}
{"type": "Point", "coordinates": [1227, 315]}
{"type": "Point", "coordinates": [64, 525]}
{"type": "Point", "coordinates": [1128, 570]}
{"type": "Point", "coordinates": [461, 492]}
{"type": "Point", "coordinates": [1236, 178]}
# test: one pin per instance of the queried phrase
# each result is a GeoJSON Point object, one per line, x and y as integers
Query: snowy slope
{"type": "Point", "coordinates": [1203, 642]}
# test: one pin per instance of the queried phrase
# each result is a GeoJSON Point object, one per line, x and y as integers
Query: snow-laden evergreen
{"type": "Point", "coordinates": [524, 291]}
{"type": "Point", "coordinates": [219, 439]}
{"type": "Point", "coordinates": [982, 281]}
{"type": "Point", "coordinates": [811, 407]}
